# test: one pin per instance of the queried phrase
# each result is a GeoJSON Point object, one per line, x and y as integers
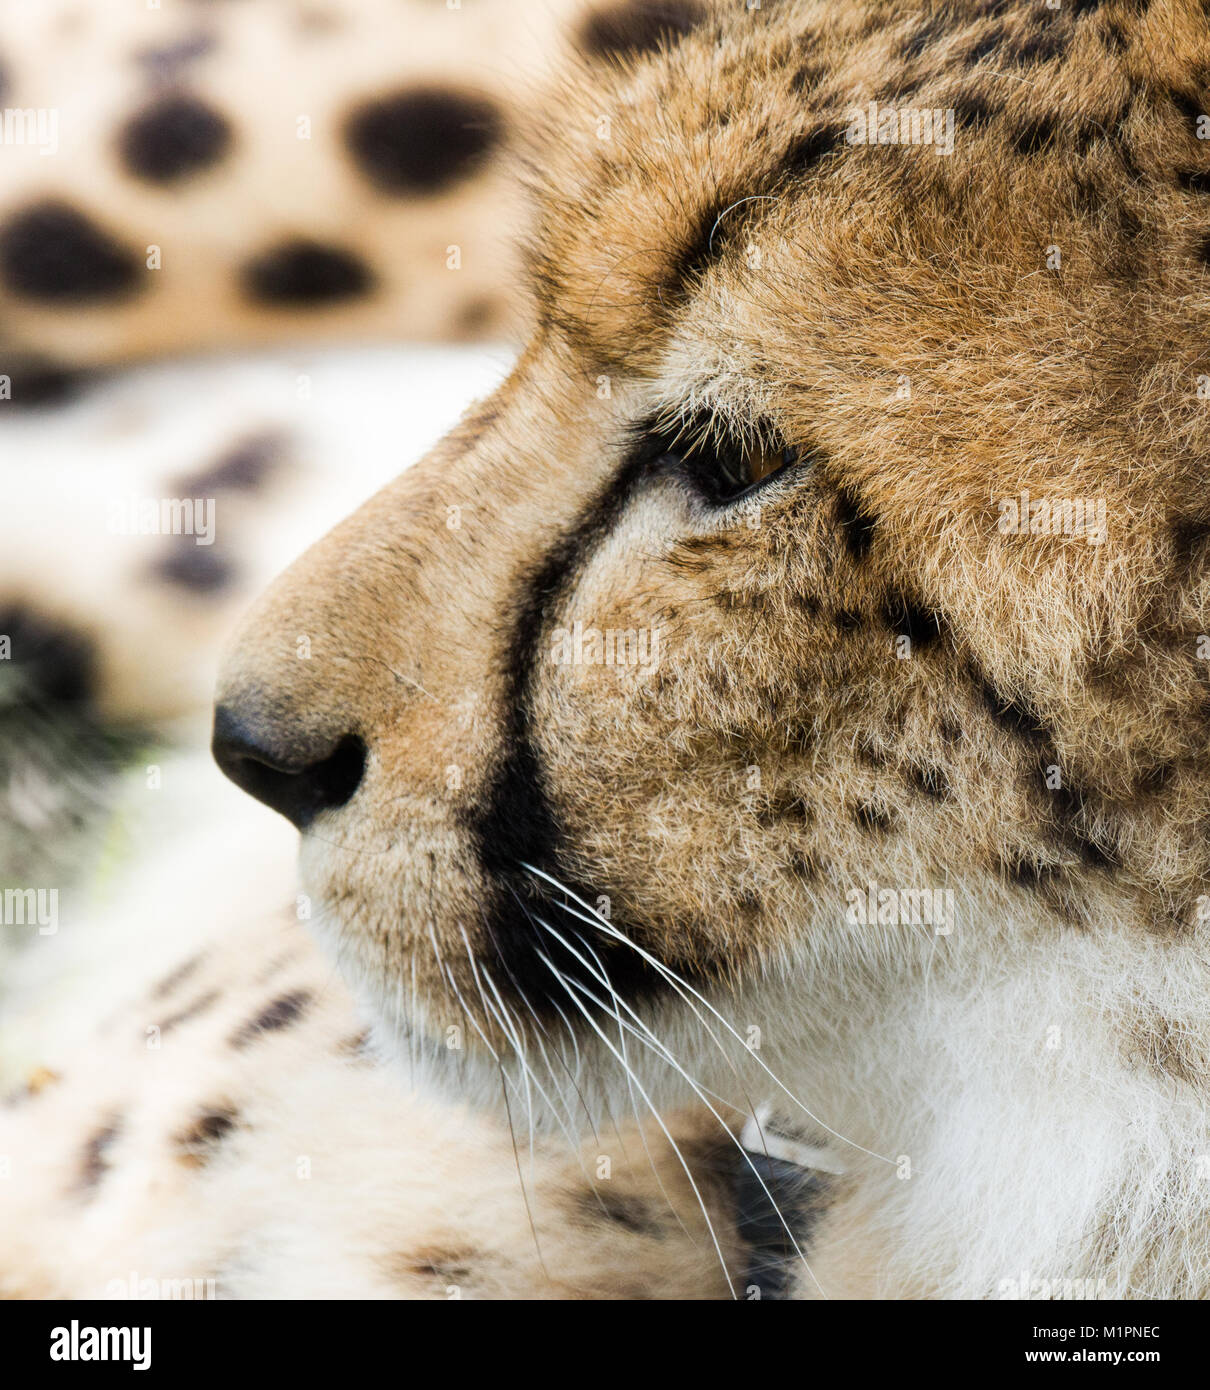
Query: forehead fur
{"type": "Point", "coordinates": [1024, 314]}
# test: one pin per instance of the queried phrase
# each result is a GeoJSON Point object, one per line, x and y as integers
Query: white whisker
{"type": "Point", "coordinates": [681, 985]}
{"type": "Point", "coordinates": [659, 1119]}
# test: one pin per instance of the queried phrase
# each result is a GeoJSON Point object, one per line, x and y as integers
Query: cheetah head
{"type": "Point", "coordinates": [818, 602]}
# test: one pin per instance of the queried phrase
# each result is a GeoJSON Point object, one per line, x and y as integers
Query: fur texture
{"type": "Point", "coordinates": [664, 877]}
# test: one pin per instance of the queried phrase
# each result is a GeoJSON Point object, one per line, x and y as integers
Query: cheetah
{"type": "Point", "coordinates": [798, 745]}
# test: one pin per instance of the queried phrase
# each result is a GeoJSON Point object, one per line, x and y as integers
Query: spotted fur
{"type": "Point", "coordinates": [676, 867]}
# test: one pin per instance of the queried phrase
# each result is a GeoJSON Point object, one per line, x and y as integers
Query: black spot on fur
{"type": "Point", "coordinates": [1071, 810]}
{"type": "Point", "coordinates": [450, 1266]}
{"type": "Point", "coordinates": [475, 316]}
{"type": "Point", "coordinates": [846, 620]}
{"type": "Point", "coordinates": [358, 1045]}
{"type": "Point", "coordinates": [1202, 250]}
{"type": "Point", "coordinates": [198, 1144]}
{"type": "Point", "coordinates": [176, 136]}
{"type": "Point", "coordinates": [1189, 536]}
{"type": "Point", "coordinates": [951, 731]}
{"type": "Point", "coordinates": [1190, 105]}
{"type": "Point", "coordinates": [192, 1010]}
{"type": "Point", "coordinates": [1194, 180]}
{"type": "Point", "coordinates": [808, 150]}
{"type": "Point", "coordinates": [985, 46]}
{"type": "Point", "coordinates": [53, 253]}
{"type": "Point", "coordinates": [806, 78]}
{"type": "Point", "coordinates": [899, 88]}
{"type": "Point", "coordinates": [49, 664]}
{"type": "Point", "coordinates": [1040, 47]}
{"type": "Point", "coordinates": [1025, 871]}
{"type": "Point", "coordinates": [622, 1209]}
{"type": "Point", "coordinates": [1112, 37]}
{"type": "Point", "coordinates": [303, 274]}
{"type": "Point", "coordinates": [789, 806]}
{"type": "Point", "coordinates": [177, 977]}
{"type": "Point", "coordinates": [1096, 856]}
{"type": "Point", "coordinates": [35, 383]}
{"type": "Point", "coordinates": [932, 781]}
{"type": "Point", "coordinates": [974, 110]}
{"type": "Point", "coordinates": [241, 469]}
{"type": "Point", "coordinates": [908, 619]}
{"type": "Point", "coordinates": [281, 1013]}
{"type": "Point", "coordinates": [1010, 714]}
{"type": "Point", "coordinates": [856, 524]}
{"type": "Point", "coordinates": [923, 37]}
{"type": "Point", "coordinates": [166, 62]}
{"type": "Point", "coordinates": [1034, 136]}
{"type": "Point", "coordinates": [805, 867]}
{"type": "Point", "coordinates": [422, 140]}
{"type": "Point", "coordinates": [873, 818]}
{"type": "Point", "coordinates": [638, 26]}
{"type": "Point", "coordinates": [94, 1162]}
{"type": "Point", "coordinates": [1155, 779]}
{"type": "Point", "coordinates": [195, 568]}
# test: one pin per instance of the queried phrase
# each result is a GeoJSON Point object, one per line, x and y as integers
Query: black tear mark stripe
{"type": "Point", "coordinates": [283, 1012]}
{"type": "Point", "coordinates": [516, 823]}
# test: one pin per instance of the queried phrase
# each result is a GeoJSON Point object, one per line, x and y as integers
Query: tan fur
{"type": "Point", "coordinates": [1026, 1090]}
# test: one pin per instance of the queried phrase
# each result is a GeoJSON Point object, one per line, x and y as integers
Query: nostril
{"type": "Point", "coordinates": [300, 783]}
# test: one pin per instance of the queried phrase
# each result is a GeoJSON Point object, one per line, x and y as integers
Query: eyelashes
{"type": "Point", "coordinates": [718, 466]}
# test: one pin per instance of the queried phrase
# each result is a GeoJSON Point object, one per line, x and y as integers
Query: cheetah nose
{"type": "Point", "coordinates": [296, 776]}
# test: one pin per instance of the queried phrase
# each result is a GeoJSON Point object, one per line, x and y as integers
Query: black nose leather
{"type": "Point", "coordinates": [300, 782]}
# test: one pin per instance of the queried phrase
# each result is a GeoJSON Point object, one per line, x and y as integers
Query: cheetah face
{"type": "Point", "coordinates": [632, 700]}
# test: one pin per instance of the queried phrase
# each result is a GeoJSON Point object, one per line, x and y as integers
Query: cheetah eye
{"type": "Point", "coordinates": [719, 467]}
